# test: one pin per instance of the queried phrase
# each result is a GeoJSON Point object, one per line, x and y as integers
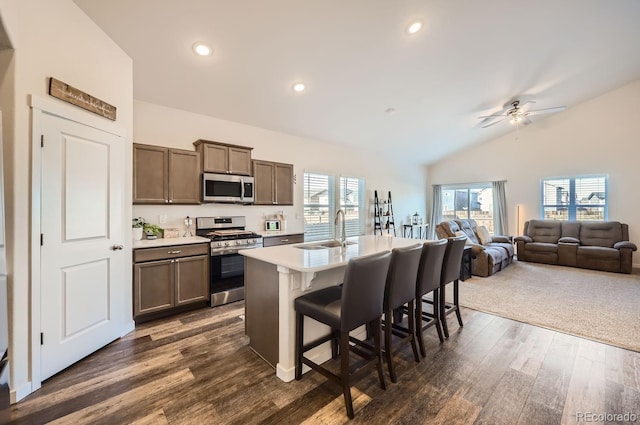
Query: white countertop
{"type": "Point", "coordinates": [275, 233]}
{"type": "Point", "coordinates": [314, 260]}
{"type": "Point", "coordinates": [154, 243]}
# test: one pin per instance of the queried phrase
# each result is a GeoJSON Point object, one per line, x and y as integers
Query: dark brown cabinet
{"type": "Point", "coordinates": [223, 158]}
{"type": "Point", "coordinates": [168, 277]}
{"type": "Point", "coordinates": [282, 240]}
{"type": "Point", "coordinates": [273, 183]}
{"type": "Point", "coordinates": [165, 176]}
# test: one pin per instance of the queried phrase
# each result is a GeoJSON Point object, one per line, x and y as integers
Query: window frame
{"type": "Point", "coordinates": [335, 202]}
{"type": "Point", "coordinates": [490, 223]}
{"type": "Point", "coordinates": [572, 207]}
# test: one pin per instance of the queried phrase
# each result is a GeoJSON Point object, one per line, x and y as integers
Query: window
{"type": "Point", "coordinates": [575, 198]}
{"type": "Point", "coordinates": [469, 201]}
{"type": "Point", "coordinates": [351, 200]}
{"type": "Point", "coordinates": [320, 199]}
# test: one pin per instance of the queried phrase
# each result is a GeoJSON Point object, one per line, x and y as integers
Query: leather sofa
{"type": "Point", "coordinates": [596, 245]}
{"type": "Point", "coordinates": [488, 258]}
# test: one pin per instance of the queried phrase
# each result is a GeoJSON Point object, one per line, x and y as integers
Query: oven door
{"type": "Point", "coordinates": [227, 278]}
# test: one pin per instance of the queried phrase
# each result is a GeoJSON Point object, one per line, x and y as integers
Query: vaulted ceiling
{"type": "Point", "coordinates": [370, 84]}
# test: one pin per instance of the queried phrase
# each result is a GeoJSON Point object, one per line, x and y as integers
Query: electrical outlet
{"type": "Point", "coordinates": [162, 219]}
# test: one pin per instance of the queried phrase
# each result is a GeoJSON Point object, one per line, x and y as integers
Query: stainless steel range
{"type": "Point", "coordinates": [228, 237]}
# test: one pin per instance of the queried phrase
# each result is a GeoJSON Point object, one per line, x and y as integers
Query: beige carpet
{"type": "Point", "coordinates": [596, 305]}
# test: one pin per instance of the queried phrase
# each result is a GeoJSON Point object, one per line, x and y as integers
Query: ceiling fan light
{"type": "Point", "coordinates": [202, 49]}
{"type": "Point", "coordinates": [415, 26]}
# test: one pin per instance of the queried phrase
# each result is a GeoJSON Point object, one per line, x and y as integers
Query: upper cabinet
{"type": "Point", "coordinates": [224, 158]}
{"type": "Point", "coordinates": [165, 176]}
{"type": "Point", "coordinates": [273, 183]}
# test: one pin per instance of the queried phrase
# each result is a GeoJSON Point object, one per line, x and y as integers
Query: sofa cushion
{"type": "Point", "coordinates": [600, 233]}
{"type": "Point", "coordinates": [468, 229]}
{"type": "Point", "coordinates": [545, 231]}
{"type": "Point", "coordinates": [508, 247]}
{"type": "Point", "coordinates": [483, 235]}
{"type": "Point", "coordinates": [571, 229]}
{"type": "Point", "coordinates": [542, 247]}
{"type": "Point", "coordinates": [598, 252]}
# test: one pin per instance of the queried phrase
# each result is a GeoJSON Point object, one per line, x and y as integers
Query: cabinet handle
{"type": "Point", "coordinates": [174, 252]}
{"type": "Point", "coordinates": [170, 200]}
{"type": "Point", "coordinates": [284, 240]}
{"type": "Point", "coordinates": [166, 201]}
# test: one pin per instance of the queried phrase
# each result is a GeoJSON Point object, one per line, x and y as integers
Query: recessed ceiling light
{"type": "Point", "coordinates": [390, 111]}
{"type": "Point", "coordinates": [298, 87]}
{"type": "Point", "coordinates": [415, 26]}
{"type": "Point", "coordinates": [202, 49]}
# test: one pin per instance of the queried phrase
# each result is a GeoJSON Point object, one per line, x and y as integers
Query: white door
{"type": "Point", "coordinates": [81, 253]}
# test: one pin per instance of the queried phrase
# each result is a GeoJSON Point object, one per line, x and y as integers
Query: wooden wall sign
{"type": "Point", "coordinates": [79, 98]}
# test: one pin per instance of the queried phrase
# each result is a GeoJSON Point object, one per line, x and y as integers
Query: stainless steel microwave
{"type": "Point", "coordinates": [227, 188]}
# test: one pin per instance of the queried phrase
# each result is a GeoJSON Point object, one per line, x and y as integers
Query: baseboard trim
{"type": "Point", "coordinates": [21, 392]}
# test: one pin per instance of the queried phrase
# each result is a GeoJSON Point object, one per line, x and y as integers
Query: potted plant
{"type": "Point", "coordinates": [152, 230]}
{"type": "Point", "coordinates": [137, 225]}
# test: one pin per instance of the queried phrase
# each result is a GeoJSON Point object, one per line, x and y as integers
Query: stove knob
{"type": "Point", "coordinates": [226, 243]}
{"type": "Point", "coordinates": [220, 244]}
{"type": "Point", "coordinates": [254, 241]}
{"type": "Point", "coordinates": [240, 242]}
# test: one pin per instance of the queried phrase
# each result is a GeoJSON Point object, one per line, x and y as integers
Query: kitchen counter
{"type": "Point", "coordinates": [277, 275]}
{"type": "Point", "coordinates": [269, 233]}
{"type": "Point", "coordinates": [155, 243]}
{"type": "Point", "coordinates": [315, 260]}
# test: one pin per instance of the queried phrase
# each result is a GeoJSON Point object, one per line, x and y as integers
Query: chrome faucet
{"type": "Point", "coordinates": [343, 235]}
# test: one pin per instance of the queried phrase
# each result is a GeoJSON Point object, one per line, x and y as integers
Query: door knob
{"type": "Point", "coordinates": [117, 247]}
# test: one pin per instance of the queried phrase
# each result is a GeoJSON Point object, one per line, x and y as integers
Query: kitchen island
{"type": "Point", "coordinates": [276, 276]}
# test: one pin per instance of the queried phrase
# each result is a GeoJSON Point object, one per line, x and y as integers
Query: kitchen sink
{"type": "Point", "coordinates": [323, 245]}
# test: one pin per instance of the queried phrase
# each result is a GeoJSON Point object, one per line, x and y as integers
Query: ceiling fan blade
{"type": "Point", "coordinates": [494, 123]}
{"type": "Point", "coordinates": [546, 110]}
{"type": "Point", "coordinates": [526, 121]}
{"type": "Point", "coordinates": [493, 116]}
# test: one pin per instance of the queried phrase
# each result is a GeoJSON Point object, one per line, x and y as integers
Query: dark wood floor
{"type": "Point", "coordinates": [196, 368]}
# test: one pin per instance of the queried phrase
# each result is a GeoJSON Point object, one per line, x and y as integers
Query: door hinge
{"type": "Point", "coordinates": [41, 239]}
{"type": "Point", "coordinates": [41, 338]}
{"type": "Point", "coordinates": [42, 140]}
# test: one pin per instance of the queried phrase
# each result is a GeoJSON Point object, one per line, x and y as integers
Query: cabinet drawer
{"type": "Point", "coordinates": [282, 240]}
{"type": "Point", "coordinates": [174, 251]}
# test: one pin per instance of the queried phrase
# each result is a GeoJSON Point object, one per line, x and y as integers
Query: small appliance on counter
{"type": "Point", "coordinates": [272, 225]}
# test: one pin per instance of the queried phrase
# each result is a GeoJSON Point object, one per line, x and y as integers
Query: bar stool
{"type": "Point", "coordinates": [429, 281]}
{"type": "Point", "coordinates": [451, 273]}
{"type": "Point", "coordinates": [400, 290]}
{"type": "Point", "coordinates": [359, 301]}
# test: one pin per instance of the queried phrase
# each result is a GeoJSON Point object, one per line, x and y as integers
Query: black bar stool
{"type": "Point", "coordinates": [357, 302]}
{"type": "Point", "coordinates": [400, 290]}
{"type": "Point", "coordinates": [429, 281]}
{"type": "Point", "coordinates": [451, 273]}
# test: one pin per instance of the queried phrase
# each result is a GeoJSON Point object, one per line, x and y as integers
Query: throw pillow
{"type": "Point", "coordinates": [483, 235]}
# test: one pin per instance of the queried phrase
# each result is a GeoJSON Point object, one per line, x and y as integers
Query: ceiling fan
{"type": "Point", "coordinates": [517, 115]}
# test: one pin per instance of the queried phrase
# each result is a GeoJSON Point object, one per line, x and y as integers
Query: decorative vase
{"type": "Point", "coordinates": [137, 233]}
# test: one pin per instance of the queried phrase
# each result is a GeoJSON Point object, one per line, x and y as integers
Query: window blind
{"type": "Point", "coordinates": [575, 198]}
{"type": "Point", "coordinates": [351, 200]}
{"type": "Point", "coordinates": [318, 206]}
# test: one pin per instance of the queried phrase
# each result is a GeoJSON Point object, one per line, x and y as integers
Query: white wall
{"type": "Point", "coordinates": [599, 136]}
{"type": "Point", "coordinates": [159, 125]}
{"type": "Point", "coordinates": [51, 38]}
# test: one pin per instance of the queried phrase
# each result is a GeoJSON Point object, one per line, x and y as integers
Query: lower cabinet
{"type": "Point", "coordinates": [282, 240]}
{"type": "Point", "coordinates": [167, 278]}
